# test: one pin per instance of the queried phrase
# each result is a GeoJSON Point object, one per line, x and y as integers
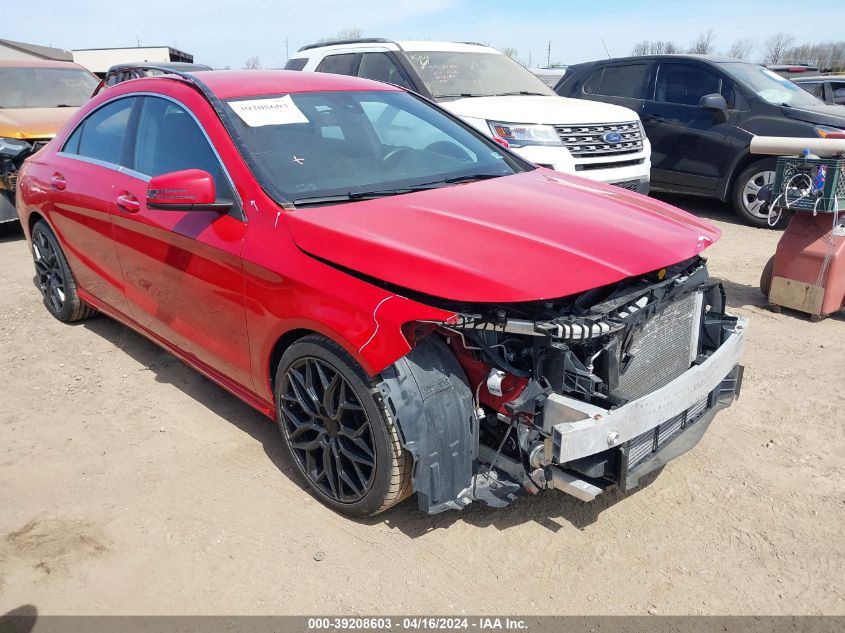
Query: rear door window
{"type": "Point", "coordinates": [102, 134]}
{"type": "Point", "coordinates": [626, 81]}
{"type": "Point", "coordinates": [343, 64]}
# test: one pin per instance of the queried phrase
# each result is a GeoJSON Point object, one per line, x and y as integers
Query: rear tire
{"type": "Point", "coordinates": [744, 195]}
{"type": "Point", "coordinates": [54, 277]}
{"type": "Point", "coordinates": [341, 439]}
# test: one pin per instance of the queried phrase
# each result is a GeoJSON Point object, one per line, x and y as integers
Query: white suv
{"type": "Point", "coordinates": [493, 93]}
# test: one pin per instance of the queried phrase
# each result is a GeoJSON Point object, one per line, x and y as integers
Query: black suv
{"type": "Point", "coordinates": [700, 112]}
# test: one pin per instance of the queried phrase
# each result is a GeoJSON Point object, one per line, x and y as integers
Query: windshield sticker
{"type": "Point", "coordinates": [258, 112]}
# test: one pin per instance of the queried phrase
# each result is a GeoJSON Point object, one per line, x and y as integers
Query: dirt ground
{"type": "Point", "coordinates": [131, 484]}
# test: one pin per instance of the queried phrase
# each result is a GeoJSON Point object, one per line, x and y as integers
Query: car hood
{"type": "Point", "coordinates": [819, 115]}
{"type": "Point", "coordinates": [33, 123]}
{"type": "Point", "coordinates": [553, 110]}
{"type": "Point", "coordinates": [534, 235]}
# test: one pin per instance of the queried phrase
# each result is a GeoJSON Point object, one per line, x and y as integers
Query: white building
{"type": "Point", "coordinates": [99, 60]}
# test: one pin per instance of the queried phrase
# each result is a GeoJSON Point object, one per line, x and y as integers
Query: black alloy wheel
{"type": "Point", "coordinates": [339, 435]}
{"type": "Point", "coordinates": [54, 277]}
{"type": "Point", "coordinates": [329, 432]}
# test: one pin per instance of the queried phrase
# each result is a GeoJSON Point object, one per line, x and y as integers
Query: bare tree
{"type": "Point", "coordinates": [741, 48]}
{"type": "Point", "coordinates": [657, 47]}
{"type": "Point", "coordinates": [704, 44]}
{"type": "Point", "coordinates": [825, 55]}
{"type": "Point", "coordinates": [253, 63]}
{"type": "Point", "coordinates": [640, 48]}
{"type": "Point", "coordinates": [775, 47]}
{"type": "Point", "coordinates": [353, 33]}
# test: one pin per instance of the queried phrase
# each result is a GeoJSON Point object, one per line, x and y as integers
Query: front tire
{"type": "Point", "coordinates": [341, 439]}
{"type": "Point", "coordinates": [745, 202]}
{"type": "Point", "coordinates": [54, 277]}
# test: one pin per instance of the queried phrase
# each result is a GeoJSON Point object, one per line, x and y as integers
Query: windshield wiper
{"type": "Point", "coordinates": [351, 196]}
{"type": "Point", "coordinates": [521, 93]}
{"type": "Point", "coordinates": [455, 96]}
{"type": "Point", "coordinates": [383, 193]}
{"type": "Point", "coordinates": [65, 105]}
{"type": "Point", "coordinates": [471, 178]}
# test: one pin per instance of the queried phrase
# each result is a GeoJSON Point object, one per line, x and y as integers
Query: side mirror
{"type": "Point", "coordinates": [715, 103]}
{"type": "Point", "coordinates": [186, 190]}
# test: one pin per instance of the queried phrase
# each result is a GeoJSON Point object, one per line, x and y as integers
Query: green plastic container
{"type": "Point", "coordinates": [796, 181]}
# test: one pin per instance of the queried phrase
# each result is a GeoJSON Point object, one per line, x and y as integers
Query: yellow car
{"type": "Point", "coordinates": [36, 98]}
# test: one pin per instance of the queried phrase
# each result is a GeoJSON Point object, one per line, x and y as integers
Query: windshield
{"type": "Point", "coordinates": [770, 86]}
{"type": "Point", "coordinates": [349, 145]}
{"type": "Point", "coordinates": [449, 74]}
{"type": "Point", "coordinates": [45, 87]}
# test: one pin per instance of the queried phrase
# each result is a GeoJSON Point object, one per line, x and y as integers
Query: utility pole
{"type": "Point", "coordinates": [549, 55]}
{"type": "Point", "coordinates": [138, 40]}
{"type": "Point", "coordinates": [287, 52]}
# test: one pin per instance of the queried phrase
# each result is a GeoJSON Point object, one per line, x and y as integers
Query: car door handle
{"type": "Point", "coordinates": [57, 182]}
{"type": "Point", "coordinates": [129, 203]}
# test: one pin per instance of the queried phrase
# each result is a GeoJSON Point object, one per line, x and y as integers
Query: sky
{"type": "Point", "coordinates": [224, 33]}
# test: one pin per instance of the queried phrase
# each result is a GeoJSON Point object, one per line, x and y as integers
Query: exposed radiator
{"type": "Point", "coordinates": [661, 349]}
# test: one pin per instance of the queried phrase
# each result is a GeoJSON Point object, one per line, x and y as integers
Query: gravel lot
{"type": "Point", "coordinates": [131, 484]}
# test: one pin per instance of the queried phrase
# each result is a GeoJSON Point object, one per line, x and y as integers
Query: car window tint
{"type": "Point", "coordinates": [593, 82]}
{"type": "Point", "coordinates": [102, 134]}
{"type": "Point", "coordinates": [838, 90]}
{"type": "Point", "coordinates": [72, 143]}
{"type": "Point", "coordinates": [815, 88]}
{"type": "Point", "coordinates": [338, 64]}
{"type": "Point", "coordinates": [168, 139]}
{"type": "Point", "coordinates": [729, 93]}
{"type": "Point", "coordinates": [297, 63]}
{"type": "Point", "coordinates": [685, 84]}
{"type": "Point", "coordinates": [623, 81]}
{"type": "Point", "coordinates": [380, 67]}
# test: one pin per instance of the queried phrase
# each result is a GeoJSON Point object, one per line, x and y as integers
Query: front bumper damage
{"type": "Point", "coordinates": [655, 428]}
{"type": "Point", "coordinates": [12, 154]}
{"type": "Point", "coordinates": [635, 439]}
{"type": "Point", "coordinates": [581, 395]}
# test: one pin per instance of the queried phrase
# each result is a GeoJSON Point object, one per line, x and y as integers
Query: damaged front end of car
{"type": "Point", "coordinates": [578, 394]}
{"type": "Point", "coordinates": [12, 154]}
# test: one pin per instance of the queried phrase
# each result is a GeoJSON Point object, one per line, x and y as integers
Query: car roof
{"type": "Point", "coordinates": [716, 59]}
{"type": "Point", "coordinates": [839, 77]}
{"type": "Point", "coordinates": [37, 63]}
{"type": "Point", "coordinates": [229, 84]}
{"type": "Point", "coordinates": [406, 45]}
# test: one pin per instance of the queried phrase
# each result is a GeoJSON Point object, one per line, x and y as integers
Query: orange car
{"type": "Point", "coordinates": [36, 98]}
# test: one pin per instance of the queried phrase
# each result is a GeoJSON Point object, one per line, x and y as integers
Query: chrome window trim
{"type": "Point", "coordinates": [101, 163]}
{"type": "Point", "coordinates": [145, 177]}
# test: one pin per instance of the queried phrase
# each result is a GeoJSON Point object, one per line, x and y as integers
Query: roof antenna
{"type": "Point", "coordinates": [605, 48]}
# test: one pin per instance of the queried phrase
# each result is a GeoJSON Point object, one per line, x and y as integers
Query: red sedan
{"type": "Point", "coordinates": [420, 310]}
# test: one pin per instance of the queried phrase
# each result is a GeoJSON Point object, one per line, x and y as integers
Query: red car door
{"type": "Point", "coordinates": [79, 187]}
{"type": "Point", "coordinates": [182, 269]}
